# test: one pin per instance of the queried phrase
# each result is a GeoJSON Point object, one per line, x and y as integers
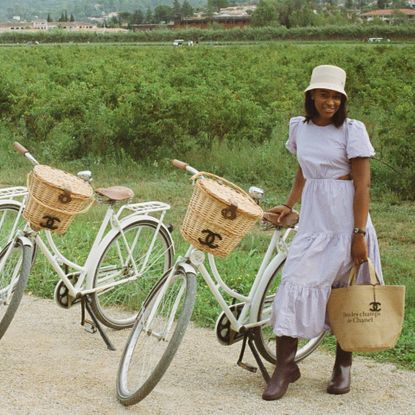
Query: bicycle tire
{"type": "Point", "coordinates": [154, 353]}
{"type": "Point", "coordinates": [8, 215]}
{"type": "Point", "coordinates": [264, 336]}
{"type": "Point", "coordinates": [117, 307]}
{"type": "Point", "coordinates": [18, 261]}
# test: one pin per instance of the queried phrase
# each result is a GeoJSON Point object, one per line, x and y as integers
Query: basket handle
{"type": "Point", "coordinates": [206, 175]}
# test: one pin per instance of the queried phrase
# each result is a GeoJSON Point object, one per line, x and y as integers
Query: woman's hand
{"type": "Point", "coordinates": [276, 214]}
{"type": "Point", "coordinates": [359, 249]}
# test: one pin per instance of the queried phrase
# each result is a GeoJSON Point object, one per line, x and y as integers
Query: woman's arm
{"type": "Point", "coordinates": [293, 197]}
{"type": "Point", "coordinates": [361, 179]}
{"type": "Point", "coordinates": [297, 188]}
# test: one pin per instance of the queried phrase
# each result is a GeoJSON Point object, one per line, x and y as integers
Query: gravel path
{"type": "Point", "coordinates": [50, 365]}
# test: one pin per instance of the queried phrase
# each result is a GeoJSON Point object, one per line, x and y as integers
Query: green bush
{"type": "Point", "coordinates": [226, 106]}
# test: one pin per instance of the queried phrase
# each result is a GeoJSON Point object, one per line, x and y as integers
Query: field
{"type": "Point", "coordinates": [124, 111]}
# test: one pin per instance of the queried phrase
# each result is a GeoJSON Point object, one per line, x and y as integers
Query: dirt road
{"type": "Point", "coordinates": [50, 365]}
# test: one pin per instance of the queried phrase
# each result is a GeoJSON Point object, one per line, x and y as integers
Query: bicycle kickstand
{"type": "Point", "coordinates": [249, 337]}
{"type": "Point", "coordinates": [94, 325]}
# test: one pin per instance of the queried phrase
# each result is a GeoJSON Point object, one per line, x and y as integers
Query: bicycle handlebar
{"type": "Point", "coordinates": [184, 166]}
{"type": "Point", "coordinates": [23, 150]}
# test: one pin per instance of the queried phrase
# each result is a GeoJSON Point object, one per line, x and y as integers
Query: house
{"type": "Point", "coordinates": [43, 25]}
{"type": "Point", "coordinates": [228, 18]}
{"type": "Point", "coordinates": [388, 15]}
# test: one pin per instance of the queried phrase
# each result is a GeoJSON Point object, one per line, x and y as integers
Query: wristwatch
{"type": "Point", "coordinates": [359, 230]}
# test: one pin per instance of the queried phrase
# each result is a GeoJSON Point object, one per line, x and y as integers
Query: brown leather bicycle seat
{"type": "Point", "coordinates": [115, 193]}
{"type": "Point", "coordinates": [288, 221]}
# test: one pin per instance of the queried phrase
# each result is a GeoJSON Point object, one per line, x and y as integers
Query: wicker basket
{"type": "Point", "coordinates": [219, 215]}
{"type": "Point", "coordinates": [55, 197]}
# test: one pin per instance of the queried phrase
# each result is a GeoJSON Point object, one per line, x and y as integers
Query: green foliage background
{"type": "Point", "coordinates": [93, 102]}
{"type": "Point", "coordinates": [124, 110]}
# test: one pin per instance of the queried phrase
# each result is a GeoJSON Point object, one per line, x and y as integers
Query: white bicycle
{"type": "Point", "coordinates": [132, 248]}
{"type": "Point", "coordinates": [162, 321]}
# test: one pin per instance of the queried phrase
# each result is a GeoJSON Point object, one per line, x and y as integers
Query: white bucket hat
{"type": "Point", "coordinates": [328, 77]}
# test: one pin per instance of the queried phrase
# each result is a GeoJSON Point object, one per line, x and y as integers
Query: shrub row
{"type": "Point", "coordinates": [346, 32]}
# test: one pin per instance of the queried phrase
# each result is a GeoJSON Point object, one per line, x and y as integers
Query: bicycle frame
{"type": "Point", "coordinates": [112, 218]}
{"type": "Point", "coordinates": [274, 256]}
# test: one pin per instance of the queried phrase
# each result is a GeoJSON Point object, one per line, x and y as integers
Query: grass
{"type": "Point", "coordinates": [394, 221]}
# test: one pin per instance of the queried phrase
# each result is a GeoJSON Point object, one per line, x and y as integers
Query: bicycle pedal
{"type": "Point", "coordinates": [89, 326]}
{"type": "Point", "coordinates": [248, 367]}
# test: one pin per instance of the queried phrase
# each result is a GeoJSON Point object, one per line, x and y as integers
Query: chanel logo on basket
{"type": "Point", "coordinates": [375, 306]}
{"type": "Point", "coordinates": [50, 222]}
{"type": "Point", "coordinates": [210, 238]}
{"type": "Point", "coordinates": [362, 316]}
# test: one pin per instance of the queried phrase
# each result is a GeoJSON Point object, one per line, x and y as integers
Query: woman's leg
{"type": "Point", "coordinates": [286, 370]}
{"type": "Point", "coordinates": [341, 376]}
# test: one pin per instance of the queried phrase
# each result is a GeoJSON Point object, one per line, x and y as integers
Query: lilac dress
{"type": "Point", "coordinates": [320, 254]}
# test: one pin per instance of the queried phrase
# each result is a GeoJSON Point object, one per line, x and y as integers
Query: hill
{"type": "Point", "coordinates": [81, 9]}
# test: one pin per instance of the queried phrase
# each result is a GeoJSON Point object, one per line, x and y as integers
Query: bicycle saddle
{"type": "Point", "coordinates": [288, 221]}
{"type": "Point", "coordinates": [115, 193]}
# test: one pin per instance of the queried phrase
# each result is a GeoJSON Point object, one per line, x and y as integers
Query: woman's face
{"type": "Point", "coordinates": [327, 102]}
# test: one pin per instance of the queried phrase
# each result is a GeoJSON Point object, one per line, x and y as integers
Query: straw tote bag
{"type": "Point", "coordinates": [366, 318]}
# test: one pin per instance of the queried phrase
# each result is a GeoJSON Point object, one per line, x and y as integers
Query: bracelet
{"type": "Point", "coordinates": [289, 207]}
{"type": "Point", "coordinates": [359, 230]}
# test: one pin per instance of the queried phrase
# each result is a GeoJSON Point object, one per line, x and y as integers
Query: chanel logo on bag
{"type": "Point", "coordinates": [375, 306]}
{"type": "Point", "coordinates": [210, 238]}
{"type": "Point", "coordinates": [50, 222]}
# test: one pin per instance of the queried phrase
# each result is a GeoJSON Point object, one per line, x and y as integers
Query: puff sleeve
{"type": "Point", "coordinates": [358, 142]}
{"type": "Point", "coordinates": [291, 143]}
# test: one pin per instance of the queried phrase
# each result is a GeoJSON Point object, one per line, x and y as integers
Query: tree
{"type": "Point", "coordinates": [216, 5]}
{"type": "Point", "coordinates": [149, 16]}
{"type": "Point", "coordinates": [138, 17]}
{"type": "Point", "coordinates": [349, 4]}
{"type": "Point", "coordinates": [49, 18]}
{"type": "Point", "coordinates": [163, 13]}
{"type": "Point", "coordinates": [72, 18]}
{"type": "Point", "coordinates": [124, 17]}
{"type": "Point", "coordinates": [187, 9]}
{"type": "Point", "coordinates": [266, 14]}
{"type": "Point", "coordinates": [177, 9]}
{"type": "Point", "coordinates": [381, 4]}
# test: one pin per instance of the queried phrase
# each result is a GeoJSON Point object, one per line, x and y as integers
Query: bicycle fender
{"type": "Point", "coordinates": [187, 268]}
{"type": "Point", "coordinates": [25, 241]}
{"type": "Point", "coordinates": [11, 202]}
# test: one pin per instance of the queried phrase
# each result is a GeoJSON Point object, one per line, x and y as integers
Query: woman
{"type": "Point", "coordinates": [335, 230]}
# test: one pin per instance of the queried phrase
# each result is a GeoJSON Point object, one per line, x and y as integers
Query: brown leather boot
{"type": "Point", "coordinates": [285, 372]}
{"type": "Point", "coordinates": [341, 376]}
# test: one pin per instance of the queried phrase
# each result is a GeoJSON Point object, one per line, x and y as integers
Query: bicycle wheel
{"type": "Point", "coordinates": [117, 307]}
{"type": "Point", "coordinates": [152, 344]}
{"type": "Point", "coordinates": [8, 216]}
{"type": "Point", "coordinates": [265, 338]}
{"type": "Point", "coordinates": [15, 264]}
